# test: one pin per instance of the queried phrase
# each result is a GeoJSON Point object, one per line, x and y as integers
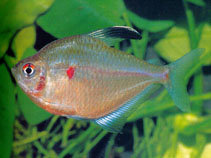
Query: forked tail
{"type": "Point", "coordinates": [177, 84]}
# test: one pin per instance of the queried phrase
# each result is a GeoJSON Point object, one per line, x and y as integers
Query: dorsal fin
{"type": "Point", "coordinates": [114, 121]}
{"type": "Point", "coordinates": [154, 61]}
{"type": "Point", "coordinates": [114, 34]}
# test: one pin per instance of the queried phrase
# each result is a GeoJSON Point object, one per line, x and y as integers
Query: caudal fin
{"type": "Point", "coordinates": [177, 84]}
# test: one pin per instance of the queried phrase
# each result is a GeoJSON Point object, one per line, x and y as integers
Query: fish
{"type": "Point", "coordinates": [84, 77]}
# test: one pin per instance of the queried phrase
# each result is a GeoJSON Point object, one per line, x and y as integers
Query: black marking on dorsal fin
{"type": "Point", "coordinates": [114, 34]}
{"type": "Point", "coordinates": [123, 32]}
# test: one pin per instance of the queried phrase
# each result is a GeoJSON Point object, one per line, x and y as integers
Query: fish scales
{"type": "Point", "coordinates": [104, 77]}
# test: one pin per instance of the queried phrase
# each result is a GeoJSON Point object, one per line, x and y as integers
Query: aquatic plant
{"type": "Point", "coordinates": [156, 129]}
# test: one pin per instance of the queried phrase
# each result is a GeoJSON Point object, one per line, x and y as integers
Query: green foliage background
{"type": "Point", "coordinates": [28, 131]}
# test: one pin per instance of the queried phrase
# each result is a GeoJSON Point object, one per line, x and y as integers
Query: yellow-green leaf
{"type": "Point", "coordinates": [190, 124]}
{"type": "Point", "coordinates": [15, 14]}
{"type": "Point", "coordinates": [23, 40]}
{"type": "Point", "coordinates": [207, 151]}
{"type": "Point", "coordinates": [176, 43]}
{"type": "Point", "coordinates": [205, 41]}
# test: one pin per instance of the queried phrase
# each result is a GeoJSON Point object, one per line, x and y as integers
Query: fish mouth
{"type": "Point", "coordinates": [15, 74]}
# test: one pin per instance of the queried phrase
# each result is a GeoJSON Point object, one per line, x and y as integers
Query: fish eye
{"type": "Point", "coordinates": [28, 70]}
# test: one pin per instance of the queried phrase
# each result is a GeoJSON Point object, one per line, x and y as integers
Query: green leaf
{"type": "Point", "coordinates": [7, 112]}
{"type": "Point", "coordinates": [176, 43]}
{"type": "Point", "coordinates": [197, 2]}
{"type": "Point", "coordinates": [150, 25]}
{"type": "Point", "coordinates": [11, 61]}
{"type": "Point", "coordinates": [72, 17]}
{"type": "Point", "coordinates": [23, 40]}
{"type": "Point", "coordinates": [32, 113]}
{"type": "Point", "coordinates": [29, 52]}
{"type": "Point", "coordinates": [191, 124]}
{"type": "Point", "coordinates": [15, 14]}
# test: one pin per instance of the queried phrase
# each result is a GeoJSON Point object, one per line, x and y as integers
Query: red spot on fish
{"type": "Point", "coordinates": [25, 66]}
{"type": "Point", "coordinates": [41, 83]}
{"type": "Point", "coordinates": [70, 72]}
{"type": "Point", "coordinates": [28, 65]}
{"type": "Point", "coordinates": [166, 76]}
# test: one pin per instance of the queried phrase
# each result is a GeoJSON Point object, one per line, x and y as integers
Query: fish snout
{"type": "Point", "coordinates": [13, 71]}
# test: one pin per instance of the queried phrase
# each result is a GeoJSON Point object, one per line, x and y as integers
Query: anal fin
{"type": "Point", "coordinates": [114, 121]}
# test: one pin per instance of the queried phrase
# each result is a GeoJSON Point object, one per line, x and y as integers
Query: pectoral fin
{"type": "Point", "coordinates": [114, 34]}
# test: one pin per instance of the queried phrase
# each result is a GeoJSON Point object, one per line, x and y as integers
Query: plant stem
{"type": "Point", "coordinates": [153, 108]}
{"type": "Point", "coordinates": [66, 129]}
{"type": "Point", "coordinates": [53, 141]}
{"type": "Point", "coordinates": [52, 122]}
{"type": "Point", "coordinates": [142, 43]}
{"type": "Point", "coordinates": [30, 139]}
{"type": "Point", "coordinates": [198, 84]}
{"type": "Point", "coordinates": [191, 25]}
{"type": "Point", "coordinates": [148, 128]}
{"type": "Point", "coordinates": [41, 148]}
{"type": "Point", "coordinates": [135, 136]}
{"type": "Point", "coordinates": [94, 142]}
{"type": "Point", "coordinates": [109, 146]}
{"type": "Point", "coordinates": [77, 141]}
{"type": "Point", "coordinates": [174, 144]}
